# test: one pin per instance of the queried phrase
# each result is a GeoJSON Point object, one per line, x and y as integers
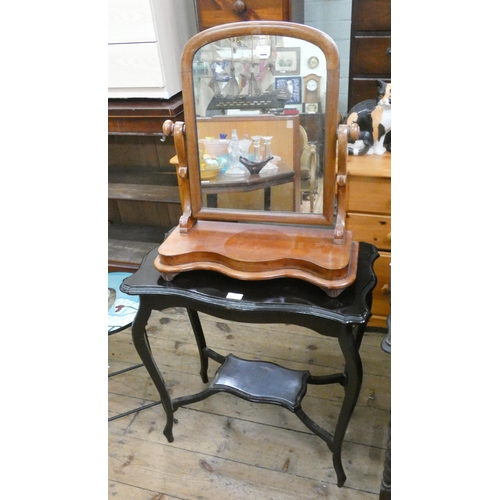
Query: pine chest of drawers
{"type": "Point", "coordinates": [369, 217]}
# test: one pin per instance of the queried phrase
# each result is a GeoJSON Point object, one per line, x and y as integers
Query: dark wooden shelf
{"type": "Point", "coordinates": [261, 382]}
{"type": "Point", "coordinates": [144, 205]}
{"type": "Point", "coordinates": [142, 186]}
{"type": "Point", "coordinates": [143, 116]}
{"type": "Point", "coordinates": [143, 192]}
{"type": "Point", "coordinates": [139, 184]}
{"type": "Point", "coordinates": [128, 244]}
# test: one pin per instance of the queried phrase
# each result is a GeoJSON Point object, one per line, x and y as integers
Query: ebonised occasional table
{"type": "Point", "coordinates": [284, 301]}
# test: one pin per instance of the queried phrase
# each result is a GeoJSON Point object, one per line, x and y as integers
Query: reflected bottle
{"type": "Point", "coordinates": [235, 167]}
{"type": "Point", "coordinates": [256, 148]}
{"type": "Point", "coordinates": [269, 168]}
{"type": "Point", "coordinates": [267, 146]}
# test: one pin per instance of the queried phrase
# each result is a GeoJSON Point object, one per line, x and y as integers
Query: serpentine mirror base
{"type": "Point", "coordinates": [261, 252]}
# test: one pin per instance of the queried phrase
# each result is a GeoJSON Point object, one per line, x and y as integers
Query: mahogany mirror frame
{"type": "Point", "coordinates": [278, 28]}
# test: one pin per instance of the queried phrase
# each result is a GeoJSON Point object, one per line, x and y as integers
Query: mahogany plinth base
{"type": "Point", "coordinates": [261, 252]}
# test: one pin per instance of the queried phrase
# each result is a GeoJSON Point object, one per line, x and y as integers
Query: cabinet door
{"type": "Point", "coordinates": [372, 55]}
{"type": "Point", "coordinates": [134, 65]}
{"type": "Point", "coordinates": [371, 15]}
{"type": "Point", "coordinates": [212, 13]}
{"type": "Point", "coordinates": [130, 21]}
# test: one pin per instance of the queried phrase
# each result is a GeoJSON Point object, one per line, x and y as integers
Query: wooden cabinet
{"type": "Point", "coordinates": [145, 42]}
{"type": "Point", "coordinates": [215, 12]}
{"type": "Point", "coordinates": [143, 116]}
{"type": "Point", "coordinates": [370, 54]}
{"type": "Point", "coordinates": [143, 194]}
{"type": "Point", "coordinates": [369, 217]}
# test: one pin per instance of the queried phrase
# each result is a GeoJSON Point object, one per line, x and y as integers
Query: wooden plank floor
{"type": "Point", "coordinates": [228, 448]}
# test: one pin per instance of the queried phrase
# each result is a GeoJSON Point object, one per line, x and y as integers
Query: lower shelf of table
{"type": "Point", "coordinates": [256, 381]}
{"type": "Point", "coordinates": [265, 382]}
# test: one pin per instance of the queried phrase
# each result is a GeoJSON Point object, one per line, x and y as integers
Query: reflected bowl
{"type": "Point", "coordinates": [209, 173]}
{"type": "Point", "coordinates": [255, 166]}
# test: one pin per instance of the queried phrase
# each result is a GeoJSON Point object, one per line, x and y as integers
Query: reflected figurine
{"type": "Point", "coordinates": [235, 167]}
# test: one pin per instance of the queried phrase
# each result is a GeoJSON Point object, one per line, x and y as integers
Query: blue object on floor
{"type": "Point", "coordinates": [121, 315]}
{"type": "Point", "coordinates": [122, 311]}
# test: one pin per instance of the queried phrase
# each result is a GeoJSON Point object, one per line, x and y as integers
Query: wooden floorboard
{"type": "Point", "coordinates": [228, 448]}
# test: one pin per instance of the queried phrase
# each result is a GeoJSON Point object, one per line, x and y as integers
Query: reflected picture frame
{"type": "Point", "coordinates": [287, 61]}
{"type": "Point", "coordinates": [311, 108]}
{"type": "Point", "coordinates": [294, 85]}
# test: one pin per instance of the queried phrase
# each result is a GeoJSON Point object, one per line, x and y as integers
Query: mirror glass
{"type": "Point", "coordinates": [259, 107]}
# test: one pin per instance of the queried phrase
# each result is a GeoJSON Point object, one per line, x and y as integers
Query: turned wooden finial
{"type": "Point", "coordinates": [168, 127]}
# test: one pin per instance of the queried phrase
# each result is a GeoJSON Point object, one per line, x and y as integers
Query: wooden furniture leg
{"type": "Point", "coordinates": [200, 341]}
{"type": "Point", "coordinates": [352, 388]}
{"type": "Point", "coordinates": [141, 343]}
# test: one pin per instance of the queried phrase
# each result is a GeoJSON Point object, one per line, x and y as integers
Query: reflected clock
{"type": "Point", "coordinates": [312, 93]}
{"type": "Point", "coordinates": [313, 62]}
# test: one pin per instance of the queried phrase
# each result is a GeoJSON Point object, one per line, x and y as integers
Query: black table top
{"type": "Point", "coordinates": [281, 295]}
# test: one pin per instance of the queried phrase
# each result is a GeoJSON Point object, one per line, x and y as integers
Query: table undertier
{"type": "Point", "coordinates": [256, 381]}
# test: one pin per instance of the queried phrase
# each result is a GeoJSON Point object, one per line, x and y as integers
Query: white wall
{"type": "Point", "coordinates": [334, 18]}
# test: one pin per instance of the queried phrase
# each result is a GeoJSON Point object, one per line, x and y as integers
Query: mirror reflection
{"type": "Point", "coordinates": [259, 104]}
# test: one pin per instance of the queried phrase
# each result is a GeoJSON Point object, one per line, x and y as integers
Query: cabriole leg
{"type": "Point", "coordinates": [200, 341]}
{"type": "Point", "coordinates": [141, 343]}
{"type": "Point", "coordinates": [352, 388]}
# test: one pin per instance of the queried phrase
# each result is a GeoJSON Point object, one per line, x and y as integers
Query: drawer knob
{"type": "Point", "coordinates": [386, 289]}
{"type": "Point", "coordinates": [388, 51]}
{"type": "Point", "coordinates": [239, 6]}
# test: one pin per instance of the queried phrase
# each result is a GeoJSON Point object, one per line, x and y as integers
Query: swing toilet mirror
{"type": "Point", "coordinates": [243, 91]}
{"type": "Point", "coordinates": [245, 161]}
